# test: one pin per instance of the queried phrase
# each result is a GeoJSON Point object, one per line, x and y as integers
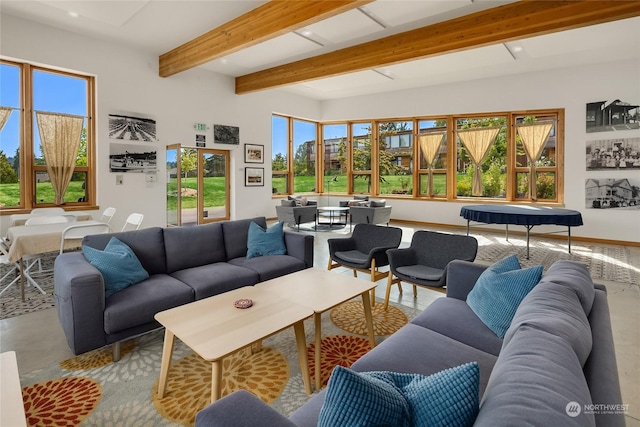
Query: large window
{"type": "Point", "coordinates": [46, 156]}
{"type": "Point", "coordinates": [293, 139]}
{"type": "Point", "coordinates": [511, 156]}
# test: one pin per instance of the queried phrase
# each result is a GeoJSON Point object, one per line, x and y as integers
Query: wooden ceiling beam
{"type": "Point", "coordinates": [513, 21]}
{"type": "Point", "coordinates": [268, 21]}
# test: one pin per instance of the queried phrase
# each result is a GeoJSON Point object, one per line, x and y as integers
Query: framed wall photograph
{"type": "Point", "coordinates": [253, 153]}
{"type": "Point", "coordinates": [253, 177]}
{"type": "Point", "coordinates": [223, 134]}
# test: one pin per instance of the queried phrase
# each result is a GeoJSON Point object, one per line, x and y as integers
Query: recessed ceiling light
{"type": "Point", "coordinates": [73, 14]}
{"type": "Point", "coordinates": [306, 33]}
{"type": "Point", "coordinates": [517, 48]}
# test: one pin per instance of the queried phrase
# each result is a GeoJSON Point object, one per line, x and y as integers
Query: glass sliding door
{"type": "Point", "coordinates": [214, 184]}
{"type": "Point", "coordinates": [173, 184]}
{"type": "Point", "coordinates": [197, 185]}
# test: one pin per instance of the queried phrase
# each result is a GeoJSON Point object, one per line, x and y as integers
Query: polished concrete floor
{"type": "Point", "coordinates": [38, 339]}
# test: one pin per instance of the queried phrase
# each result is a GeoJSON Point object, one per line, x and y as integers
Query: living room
{"type": "Point", "coordinates": [127, 81]}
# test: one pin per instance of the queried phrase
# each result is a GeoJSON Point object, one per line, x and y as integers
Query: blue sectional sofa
{"type": "Point", "coordinates": [184, 264]}
{"type": "Point", "coordinates": [555, 366]}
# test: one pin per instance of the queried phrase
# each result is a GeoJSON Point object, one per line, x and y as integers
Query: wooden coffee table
{"type": "Point", "coordinates": [321, 290]}
{"type": "Point", "coordinates": [214, 329]}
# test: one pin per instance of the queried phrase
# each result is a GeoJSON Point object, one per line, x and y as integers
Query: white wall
{"type": "Point", "coordinates": [569, 88]}
{"type": "Point", "coordinates": [128, 81]}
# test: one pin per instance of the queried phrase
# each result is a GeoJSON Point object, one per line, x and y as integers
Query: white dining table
{"type": "Point", "coordinates": [38, 239]}
{"type": "Point", "coordinates": [20, 219]}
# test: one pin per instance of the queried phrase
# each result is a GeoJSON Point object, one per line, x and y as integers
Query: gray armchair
{"type": "Point", "coordinates": [369, 215]}
{"type": "Point", "coordinates": [293, 216]}
{"type": "Point", "coordinates": [424, 262]}
{"type": "Point", "coordinates": [365, 250]}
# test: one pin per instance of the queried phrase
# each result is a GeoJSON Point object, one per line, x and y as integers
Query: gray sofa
{"type": "Point", "coordinates": [558, 350]}
{"type": "Point", "coordinates": [184, 264]}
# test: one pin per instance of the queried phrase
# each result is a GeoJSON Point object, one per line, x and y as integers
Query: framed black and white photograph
{"type": "Point", "coordinates": [223, 134]}
{"type": "Point", "coordinates": [132, 158]}
{"type": "Point", "coordinates": [609, 193]}
{"type": "Point", "coordinates": [621, 154]}
{"type": "Point", "coordinates": [132, 128]}
{"type": "Point", "coordinates": [253, 177]}
{"type": "Point", "coordinates": [253, 153]}
{"type": "Point", "coordinates": [605, 116]}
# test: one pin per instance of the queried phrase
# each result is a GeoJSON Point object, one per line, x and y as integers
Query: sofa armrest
{"type": "Point", "coordinates": [79, 293]}
{"type": "Point", "coordinates": [300, 245]}
{"type": "Point", "coordinates": [241, 409]}
{"type": "Point", "coordinates": [461, 277]}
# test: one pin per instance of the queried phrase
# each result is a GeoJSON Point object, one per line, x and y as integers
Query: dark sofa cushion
{"type": "Point", "coordinates": [137, 304]}
{"type": "Point", "coordinates": [237, 233]}
{"type": "Point", "coordinates": [467, 327]}
{"type": "Point", "coordinates": [537, 381]}
{"type": "Point", "coordinates": [147, 244]}
{"type": "Point", "coordinates": [556, 309]}
{"type": "Point", "coordinates": [423, 352]}
{"type": "Point", "coordinates": [188, 247]}
{"type": "Point", "coordinates": [213, 279]}
{"type": "Point", "coordinates": [270, 267]}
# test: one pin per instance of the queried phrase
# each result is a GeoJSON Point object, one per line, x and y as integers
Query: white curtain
{"type": "Point", "coordinates": [429, 146]}
{"type": "Point", "coordinates": [5, 112]}
{"type": "Point", "coordinates": [60, 138]}
{"type": "Point", "coordinates": [477, 141]}
{"type": "Point", "coordinates": [534, 138]}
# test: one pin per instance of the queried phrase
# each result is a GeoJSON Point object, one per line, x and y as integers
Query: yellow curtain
{"type": "Point", "coordinates": [60, 138]}
{"type": "Point", "coordinates": [430, 145]}
{"type": "Point", "coordinates": [5, 112]}
{"type": "Point", "coordinates": [477, 142]}
{"type": "Point", "coordinates": [534, 138]}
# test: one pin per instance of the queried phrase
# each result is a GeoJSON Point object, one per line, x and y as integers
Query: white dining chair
{"type": "Point", "coordinates": [108, 214]}
{"type": "Point", "coordinates": [133, 222]}
{"type": "Point", "coordinates": [47, 211]}
{"type": "Point", "coordinates": [79, 230]}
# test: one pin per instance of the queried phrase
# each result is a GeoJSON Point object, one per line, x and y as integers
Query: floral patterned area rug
{"type": "Point", "coordinates": [91, 390]}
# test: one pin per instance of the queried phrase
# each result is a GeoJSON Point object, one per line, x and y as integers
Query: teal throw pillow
{"type": "Point", "coordinates": [447, 398]}
{"type": "Point", "coordinates": [261, 242]}
{"type": "Point", "coordinates": [499, 291]}
{"type": "Point", "coordinates": [119, 266]}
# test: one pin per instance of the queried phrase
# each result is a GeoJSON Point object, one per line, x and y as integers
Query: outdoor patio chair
{"type": "Point", "coordinates": [424, 262]}
{"type": "Point", "coordinates": [293, 216]}
{"type": "Point", "coordinates": [365, 250]}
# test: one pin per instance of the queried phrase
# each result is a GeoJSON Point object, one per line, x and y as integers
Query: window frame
{"type": "Point", "coordinates": [450, 171]}
{"type": "Point", "coordinates": [28, 166]}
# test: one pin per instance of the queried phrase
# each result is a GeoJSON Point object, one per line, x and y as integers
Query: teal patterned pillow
{"type": "Point", "coordinates": [446, 398]}
{"type": "Point", "coordinates": [499, 291]}
{"type": "Point", "coordinates": [118, 264]}
{"type": "Point", "coordinates": [261, 242]}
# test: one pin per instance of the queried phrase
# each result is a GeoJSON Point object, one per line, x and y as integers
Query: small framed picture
{"type": "Point", "coordinates": [253, 177]}
{"type": "Point", "coordinates": [253, 153]}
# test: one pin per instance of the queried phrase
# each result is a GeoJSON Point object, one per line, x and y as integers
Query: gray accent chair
{"type": "Point", "coordinates": [293, 216]}
{"type": "Point", "coordinates": [365, 250]}
{"type": "Point", "coordinates": [424, 262]}
{"type": "Point", "coordinates": [369, 215]}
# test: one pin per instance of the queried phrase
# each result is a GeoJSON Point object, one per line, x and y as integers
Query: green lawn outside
{"type": "Point", "coordinates": [10, 193]}
{"type": "Point", "coordinates": [214, 193]}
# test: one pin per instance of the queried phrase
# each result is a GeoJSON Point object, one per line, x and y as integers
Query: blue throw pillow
{"type": "Point", "coordinates": [261, 242]}
{"type": "Point", "coordinates": [499, 291]}
{"type": "Point", "coordinates": [119, 266]}
{"type": "Point", "coordinates": [446, 398]}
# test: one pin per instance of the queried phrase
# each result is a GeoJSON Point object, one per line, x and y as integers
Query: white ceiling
{"type": "Point", "coordinates": [157, 26]}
